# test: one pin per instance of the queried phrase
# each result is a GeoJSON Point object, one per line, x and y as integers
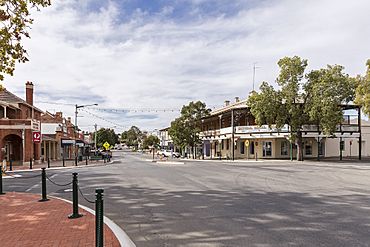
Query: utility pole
{"type": "Point", "coordinates": [76, 134]}
{"type": "Point", "coordinates": [254, 73]}
{"type": "Point", "coordinates": [76, 128]}
{"type": "Point", "coordinates": [96, 126]}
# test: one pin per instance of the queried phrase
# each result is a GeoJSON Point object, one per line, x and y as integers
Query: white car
{"type": "Point", "coordinates": [169, 153]}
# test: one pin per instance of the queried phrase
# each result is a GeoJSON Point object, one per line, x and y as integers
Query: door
{"type": "Point", "coordinates": [267, 149]}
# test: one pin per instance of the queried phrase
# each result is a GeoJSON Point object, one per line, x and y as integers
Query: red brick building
{"type": "Point", "coordinates": [58, 135]}
{"type": "Point", "coordinates": [18, 120]}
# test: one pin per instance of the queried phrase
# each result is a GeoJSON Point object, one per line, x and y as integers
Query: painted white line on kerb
{"type": "Point", "coordinates": [122, 237]}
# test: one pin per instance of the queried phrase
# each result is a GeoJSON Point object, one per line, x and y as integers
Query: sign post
{"type": "Point", "coordinates": [36, 137]}
{"type": "Point", "coordinates": [106, 145]}
{"type": "Point", "coordinates": [247, 150]}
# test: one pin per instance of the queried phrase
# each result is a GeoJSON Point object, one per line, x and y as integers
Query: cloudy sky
{"type": "Point", "coordinates": [152, 55]}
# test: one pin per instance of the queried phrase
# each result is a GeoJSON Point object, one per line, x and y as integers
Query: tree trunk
{"type": "Point", "coordinates": [299, 146]}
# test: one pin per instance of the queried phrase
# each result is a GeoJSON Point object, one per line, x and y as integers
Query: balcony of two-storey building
{"type": "Point", "coordinates": [346, 127]}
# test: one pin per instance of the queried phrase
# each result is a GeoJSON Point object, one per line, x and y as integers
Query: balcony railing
{"type": "Point", "coordinates": [266, 129]}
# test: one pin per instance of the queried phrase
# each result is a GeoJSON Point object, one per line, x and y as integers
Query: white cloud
{"type": "Point", "coordinates": [158, 62]}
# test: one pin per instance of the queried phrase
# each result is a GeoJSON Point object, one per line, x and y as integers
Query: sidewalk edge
{"type": "Point", "coordinates": [121, 235]}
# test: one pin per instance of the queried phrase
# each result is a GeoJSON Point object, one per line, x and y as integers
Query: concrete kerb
{"type": "Point", "coordinates": [121, 235]}
{"type": "Point", "coordinates": [61, 167]}
{"type": "Point", "coordinates": [165, 162]}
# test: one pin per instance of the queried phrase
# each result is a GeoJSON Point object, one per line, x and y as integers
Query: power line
{"type": "Point", "coordinates": [101, 118]}
{"type": "Point", "coordinates": [128, 109]}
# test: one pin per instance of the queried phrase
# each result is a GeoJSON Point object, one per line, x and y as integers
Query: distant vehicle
{"type": "Point", "coordinates": [169, 153]}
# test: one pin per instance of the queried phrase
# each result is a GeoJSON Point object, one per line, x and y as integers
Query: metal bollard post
{"type": "Point", "coordinates": [75, 213]}
{"type": "Point", "coordinates": [48, 162]}
{"type": "Point", "coordinates": [86, 161]}
{"type": "Point", "coordinates": [64, 162]}
{"type": "Point", "coordinates": [11, 165]}
{"type": "Point", "coordinates": [1, 180]}
{"type": "Point", "coordinates": [104, 159]}
{"type": "Point", "coordinates": [43, 184]}
{"type": "Point", "coordinates": [99, 224]}
{"type": "Point", "coordinates": [76, 161]}
{"type": "Point", "coordinates": [31, 163]}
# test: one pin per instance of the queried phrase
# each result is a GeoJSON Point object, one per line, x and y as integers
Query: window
{"type": "Point", "coordinates": [2, 112]}
{"type": "Point", "coordinates": [321, 148]}
{"type": "Point", "coordinates": [227, 144]}
{"type": "Point", "coordinates": [251, 148]}
{"type": "Point", "coordinates": [242, 147]}
{"type": "Point", "coordinates": [308, 149]}
{"type": "Point", "coordinates": [267, 149]}
{"type": "Point", "coordinates": [222, 144]}
{"type": "Point", "coordinates": [342, 146]}
{"type": "Point", "coordinates": [284, 148]}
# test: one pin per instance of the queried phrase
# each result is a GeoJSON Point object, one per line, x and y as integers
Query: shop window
{"type": "Point", "coordinates": [251, 147]}
{"type": "Point", "coordinates": [242, 147]}
{"type": "Point", "coordinates": [267, 149]}
{"type": "Point", "coordinates": [321, 148]}
{"type": "Point", "coordinates": [308, 149]}
{"type": "Point", "coordinates": [284, 148]}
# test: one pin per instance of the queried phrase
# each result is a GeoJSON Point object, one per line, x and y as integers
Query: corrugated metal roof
{"type": "Point", "coordinates": [48, 128]}
{"type": "Point", "coordinates": [9, 97]}
{"type": "Point", "coordinates": [236, 105]}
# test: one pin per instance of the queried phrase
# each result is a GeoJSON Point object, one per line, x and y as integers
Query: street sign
{"type": "Point", "coordinates": [36, 137]}
{"type": "Point", "coordinates": [106, 145]}
{"type": "Point", "coordinates": [247, 143]}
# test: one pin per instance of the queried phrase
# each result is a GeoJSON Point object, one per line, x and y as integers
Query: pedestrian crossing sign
{"type": "Point", "coordinates": [106, 145]}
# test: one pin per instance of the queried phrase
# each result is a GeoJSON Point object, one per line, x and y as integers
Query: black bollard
{"type": "Point", "coordinates": [11, 165]}
{"type": "Point", "coordinates": [99, 213]}
{"type": "Point", "coordinates": [43, 184]}
{"type": "Point", "coordinates": [48, 162]}
{"type": "Point", "coordinates": [75, 213]}
{"type": "Point", "coordinates": [76, 161]}
{"type": "Point", "coordinates": [31, 163]}
{"type": "Point", "coordinates": [86, 161]}
{"type": "Point", "coordinates": [1, 180]}
{"type": "Point", "coordinates": [64, 162]}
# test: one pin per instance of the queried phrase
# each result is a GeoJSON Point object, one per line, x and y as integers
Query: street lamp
{"type": "Point", "coordinates": [76, 128]}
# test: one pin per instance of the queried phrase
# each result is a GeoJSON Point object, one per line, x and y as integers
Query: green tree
{"type": "Point", "coordinates": [185, 129]}
{"type": "Point", "coordinates": [363, 90]}
{"type": "Point", "coordinates": [316, 99]}
{"type": "Point", "coordinates": [132, 137]}
{"type": "Point", "coordinates": [16, 21]}
{"type": "Point", "coordinates": [106, 135]}
{"type": "Point", "coordinates": [151, 141]}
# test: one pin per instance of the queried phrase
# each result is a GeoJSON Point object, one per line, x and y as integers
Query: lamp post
{"type": "Point", "coordinates": [76, 128]}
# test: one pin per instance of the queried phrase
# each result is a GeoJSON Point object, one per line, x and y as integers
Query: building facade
{"type": "Point", "coordinates": [19, 119]}
{"type": "Point", "coordinates": [231, 133]}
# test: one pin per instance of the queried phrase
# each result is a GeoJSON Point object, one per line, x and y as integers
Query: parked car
{"type": "Point", "coordinates": [169, 153]}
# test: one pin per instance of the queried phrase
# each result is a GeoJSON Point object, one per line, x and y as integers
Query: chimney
{"type": "Point", "coordinates": [59, 115]}
{"type": "Point", "coordinates": [227, 102]}
{"type": "Point", "coordinates": [29, 92]}
{"type": "Point", "coordinates": [237, 99]}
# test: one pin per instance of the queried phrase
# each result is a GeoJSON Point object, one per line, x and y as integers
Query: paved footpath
{"type": "Point", "coordinates": [24, 221]}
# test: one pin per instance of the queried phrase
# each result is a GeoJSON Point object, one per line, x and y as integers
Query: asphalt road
{"type": "Point", "coordinates": [203, 203]}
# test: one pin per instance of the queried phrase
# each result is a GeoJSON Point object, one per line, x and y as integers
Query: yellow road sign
{"type": "Point", "coordinates": [247, 143]}
{"type": "Point", "coordinates": [106, 145]}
